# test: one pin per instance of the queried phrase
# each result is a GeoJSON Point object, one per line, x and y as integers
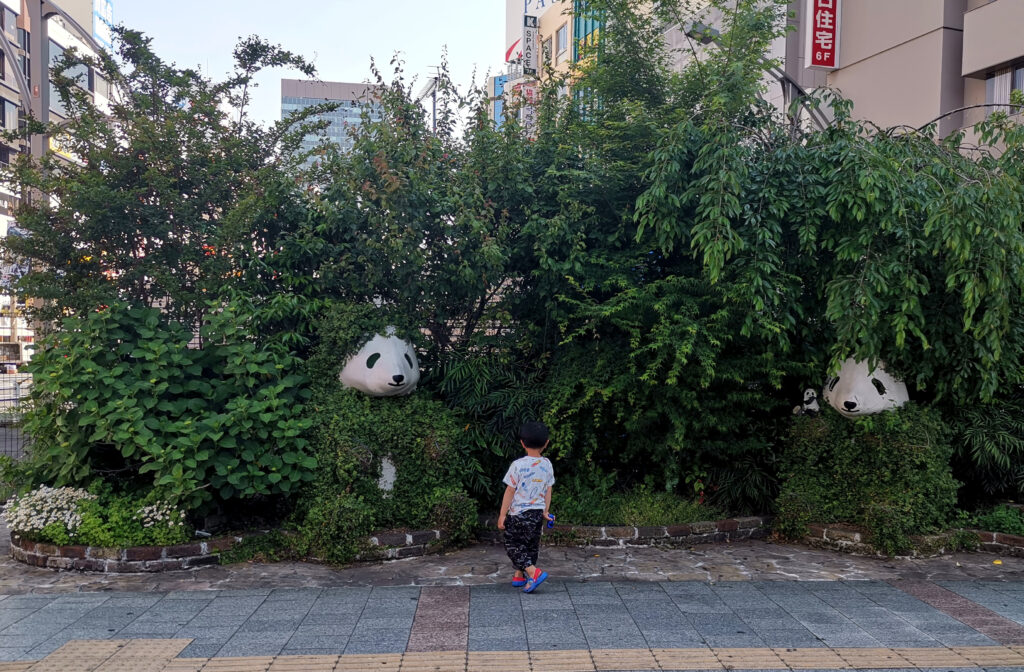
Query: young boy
{"type": "Point", "coordinates": [524, 508]}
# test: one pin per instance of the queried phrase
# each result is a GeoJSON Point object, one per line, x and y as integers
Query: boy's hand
{"type": "Point", "coordinates": [501, 522]}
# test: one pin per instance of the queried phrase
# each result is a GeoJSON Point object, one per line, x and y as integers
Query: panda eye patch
{"type": "Point", "coordinates": [832, 385]}
{"type": "Point", "coordinates": [408, 359]}
{"type": "Point", "coordinates": [372, 359]}
{"type": "Point", "coordinates": [878, 385]}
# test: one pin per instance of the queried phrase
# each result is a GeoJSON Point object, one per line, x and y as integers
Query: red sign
{"type": "Point", "coordinates": [822, 20]}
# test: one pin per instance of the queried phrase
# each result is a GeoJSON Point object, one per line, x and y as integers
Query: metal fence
{"type": "Point", "coordinates": [14, 389]}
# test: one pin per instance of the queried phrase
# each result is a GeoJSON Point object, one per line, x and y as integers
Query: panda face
{"type": "Point", "coordinates": [856, 391]}
{"type": "Point", "coordinates": [385, 367]}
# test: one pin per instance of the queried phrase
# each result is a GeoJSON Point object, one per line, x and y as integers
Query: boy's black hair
{"type": "Point", "coordinates": [533, 434]}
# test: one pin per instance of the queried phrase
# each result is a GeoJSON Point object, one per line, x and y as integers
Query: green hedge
{"type": "Point", "coordinates": [889, 473]}
{"type": "Point", "coordinates": [353, 435]}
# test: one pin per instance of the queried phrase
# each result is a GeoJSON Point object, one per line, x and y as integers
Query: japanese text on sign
{"type": "Point", "coordinates": [823, 18]}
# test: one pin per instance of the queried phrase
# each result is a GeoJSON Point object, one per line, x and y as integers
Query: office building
{"type": "Point", "coordinates": [352, 100]}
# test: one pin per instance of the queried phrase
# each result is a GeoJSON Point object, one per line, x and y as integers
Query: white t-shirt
{"type": "Point", "coordinates": [531, 477]}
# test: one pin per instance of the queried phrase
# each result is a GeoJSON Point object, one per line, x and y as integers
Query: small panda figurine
{"type": "Point", "coordinates": [857, 391]}
{"type": "Point", "coordinates": [385, 367]}
{"type": "Point", "coordinates": [809, 406]}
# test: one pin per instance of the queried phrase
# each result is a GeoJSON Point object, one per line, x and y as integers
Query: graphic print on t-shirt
{"type": "Point", "coordinates": [531, 477]}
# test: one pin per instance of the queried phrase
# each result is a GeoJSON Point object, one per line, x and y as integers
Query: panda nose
{"type": "Point", "coordinates": [398, 378]}
{"type": "Point", "coordinates": [850, 405]}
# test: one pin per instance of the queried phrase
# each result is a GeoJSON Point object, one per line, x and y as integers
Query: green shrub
{"type": "Point", "coordinates": [454, 511]}
{"type": "Point", "coordinates": [888, 472]}
{"type": "Point", "coordinates": [989, 440]}
{"type": "Point", "coordinates": [274, 546]}
{"type": "Point", "coordinates": [118, 391]}
{"type": "Point", "coordinates": [354, 434]}
{"type": "Point", "coordinates": [1002, 518]}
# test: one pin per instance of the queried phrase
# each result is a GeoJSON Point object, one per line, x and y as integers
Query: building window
{"type": "Point", "coordinates": [999, 84]}
{"type": "Point", "coordinates": [10, 21]}
{"type": "Point", "coordinates": [562, 41]}
{"type": "Point", "coordinates": [9, 114]}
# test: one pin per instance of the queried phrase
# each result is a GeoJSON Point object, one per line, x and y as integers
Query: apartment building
{"type": "Point", "coordinates": [352, 99]}
{"type": "Point", "coordinates": [901, 62]}
{"type": "Point", "coordinates": [34, 33]}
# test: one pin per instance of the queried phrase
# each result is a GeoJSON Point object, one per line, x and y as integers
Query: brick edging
{"type": "Point", "coordinates": [140, 559]}
{"type": "Point", "coordinates": [702, 532]}
{"type": "Point", "coordinates": [1003, 544]}
{"type": "Point", "coordinates": [134, 559]}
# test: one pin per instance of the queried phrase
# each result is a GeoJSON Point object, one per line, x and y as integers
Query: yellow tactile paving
{"type": "Point", "coordinates": [624, 659]}
{"type": "Point", "coordinates": [686, 659]}
{"type": "Point", "coordinates": [938, 657]}
{"type": "Point", "coordinates": [157, 656]}
{"type": "Point", "coordinates": [18, 666]}
{"type": "Point", "coordinates": [184, 665]}
{"type": "Point", "coordinates": [247, 664]}
{"type": "Point", "coordinates": [810, 659]}
{"type": "Point", "coordinates": [749, 659]}
{"type": "Point", "coordinates": [874, 658]}
{"type": "Point", "coordinates": [304, 664]}
{"type": "Point", "coordinates": [434, 661]}
{"type": "Point", "coordinates": [498, 661]}
{"type": "Point", "coordinates": [991, 656]}
{"type": "Point", "coordinates": [562, 661]}
{"type": "Point", "coordinates": [386, 662]}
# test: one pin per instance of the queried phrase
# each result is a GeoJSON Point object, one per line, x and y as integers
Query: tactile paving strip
{"type": "Point", "coordinates": [154, 655]}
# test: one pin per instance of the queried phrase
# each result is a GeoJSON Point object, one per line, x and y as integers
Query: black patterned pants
{"type": "Point", "coordinates": [522, 537]}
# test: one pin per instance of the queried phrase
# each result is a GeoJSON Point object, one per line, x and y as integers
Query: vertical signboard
{"type": "Point", "coordinates": [531, 55]}
{"type": "Point", "coordinates": [102, 22]}
{"type": "Point", "coordinates": [527, 95]}
{"type": "Point", "coordinates": [822, 44]}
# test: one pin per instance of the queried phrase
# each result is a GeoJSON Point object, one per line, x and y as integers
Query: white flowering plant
{"type": "Point", "coordinates": [76, 516]}
{"type": "Point", "coordinates": [46, 514]}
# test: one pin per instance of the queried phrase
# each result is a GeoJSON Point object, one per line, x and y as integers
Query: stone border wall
{"type": "Point", "coordinates": [703, 532]}
{"type": "Point", "coordinates": [135, 559]}
{"type": "Point", "coordinates": [1003, 544]}
{"type": "Point", "coordinates": [851, 540]}
{"type": "Point", "coordinates": [395, 545]}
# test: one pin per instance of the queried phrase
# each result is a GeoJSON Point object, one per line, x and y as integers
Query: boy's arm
{"type": "Point", "coordinates": [547, 501]}
{"type": "Point", "coordinates": [506, 501]}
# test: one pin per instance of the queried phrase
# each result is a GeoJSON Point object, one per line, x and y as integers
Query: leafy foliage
{"type": "Point", "coordinates": [990, 447]}
{"type": "Point", "coordinates": [889, 473]}
{"type": "Point", "coordinates": [119, 393]}
{"type": "Point", "coordinates": [1003, 518]}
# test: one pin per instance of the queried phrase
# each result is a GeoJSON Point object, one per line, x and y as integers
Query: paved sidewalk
{"type": "Point", "coordinates": [746, 606]}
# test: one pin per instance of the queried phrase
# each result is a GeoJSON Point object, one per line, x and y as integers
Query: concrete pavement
{"type": "Point", "coordinates": [748, 606]}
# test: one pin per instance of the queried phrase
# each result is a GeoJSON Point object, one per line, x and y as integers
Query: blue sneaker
{"type": "Point", "coordinates": [532, 584]}
{"type": "Point", "coordinates": [518, 583]}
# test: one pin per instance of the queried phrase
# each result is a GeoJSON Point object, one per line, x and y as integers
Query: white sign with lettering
{"type": "Point", "coordinates": [531, 57]}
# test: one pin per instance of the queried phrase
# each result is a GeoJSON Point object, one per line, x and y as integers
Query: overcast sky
{"type": "Point", "coordinates": [338, 36]}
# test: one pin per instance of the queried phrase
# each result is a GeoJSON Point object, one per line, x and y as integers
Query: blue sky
{"type": "Point", "coordinates": [339, 36]}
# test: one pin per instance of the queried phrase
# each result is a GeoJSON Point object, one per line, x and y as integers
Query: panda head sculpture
{"type": "Point", "coordinates": [385, 367]}
{"type": "Point", "coordinates": [856, 390]}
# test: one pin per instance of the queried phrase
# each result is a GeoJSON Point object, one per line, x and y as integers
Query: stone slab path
{"type": "Point", "coordinates": [742, 606]}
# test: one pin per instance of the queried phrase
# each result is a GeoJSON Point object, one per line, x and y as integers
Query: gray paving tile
{"type": "Point", "coordinates": [10, 655]}
{"type": "Point", "coordinates": [270, 625]}
{"type": "Point", "coordinates": [136, 628]}
{"type": "Point", "coordinates": [334, 643]}
{"type": "Point", "coordinates": [392, 592]}
{"type": "Point", "coordinates": [672, 639]}
{"type": "Point", "coordinates": [202, 648]}
{"type": "Point", "coordinates": [326, 630]}
{"type": "Point", "coordinates": [377, 645]}
{"type": "Point", "coordinates": [733, 641]}
{"type": "Point", "coordinates": [221, 633]}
